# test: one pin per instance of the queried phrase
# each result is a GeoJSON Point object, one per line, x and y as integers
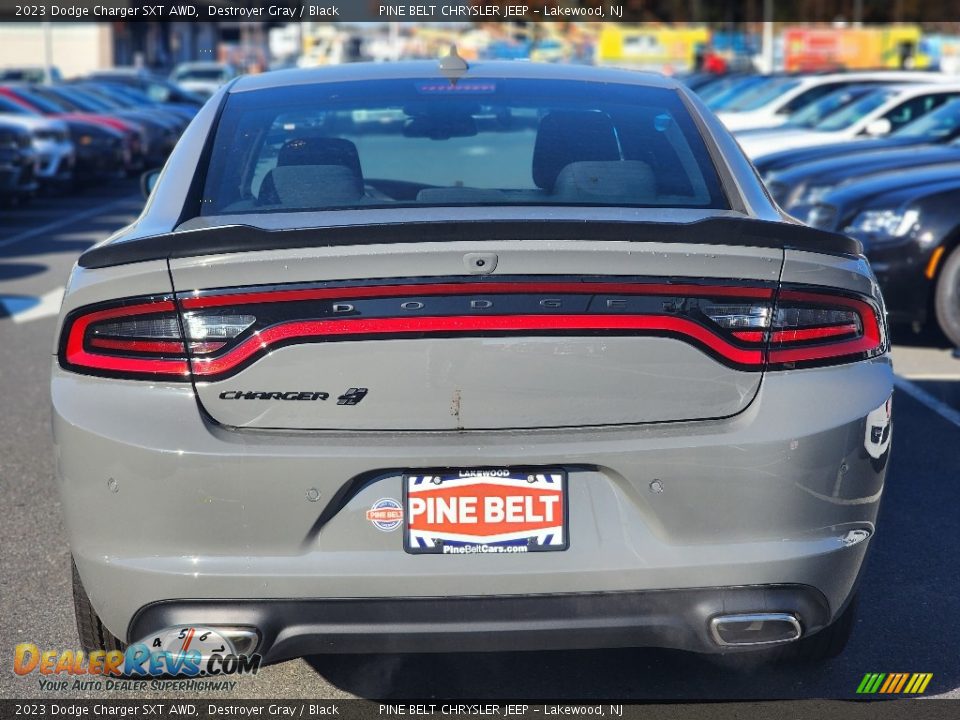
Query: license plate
{"type": "Point", "coordinates": [487, 510]}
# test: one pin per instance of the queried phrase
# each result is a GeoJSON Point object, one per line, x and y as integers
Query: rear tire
{"type": "Point", "coordinates": [947, 298]}
{"type": "Point", "coordinates": [93, 635]}
{"type": "Point", "coordinates": [827, 643]}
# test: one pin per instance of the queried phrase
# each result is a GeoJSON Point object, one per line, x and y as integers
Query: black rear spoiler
{"type": "Point", "coordinates": [245, 238]}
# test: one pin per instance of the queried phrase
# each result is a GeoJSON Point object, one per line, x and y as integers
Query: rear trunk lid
{"type": "Point", "coordinates": [463, 335]}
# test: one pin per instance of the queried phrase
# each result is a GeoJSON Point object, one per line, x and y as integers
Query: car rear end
{"type": "Point", "coordinates": [521, 361]}
{"type": "Point", "coordinates": [18, 162]}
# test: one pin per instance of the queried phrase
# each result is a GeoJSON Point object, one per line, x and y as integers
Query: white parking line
{"type": "Point", "coordinates": [33, 232]}
{"type": "Point", "coordinates": [922, 396]}
{"type": "Point", "coordinates": [48, 306]}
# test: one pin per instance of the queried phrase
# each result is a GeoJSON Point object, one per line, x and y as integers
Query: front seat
{"type": "Point", "coordinates": [569, 136]}
{"type": "Point", "coordinates": [313, 172]}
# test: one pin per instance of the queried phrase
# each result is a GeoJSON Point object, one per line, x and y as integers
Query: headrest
{"type": "Point", "coordinates": [310, 186]}
{"type": "Point", "coordinates": [320, 151]}
{"type": "Point", "coordinates": [567, 136]}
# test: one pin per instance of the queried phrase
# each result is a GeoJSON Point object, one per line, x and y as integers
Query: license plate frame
{"type": "Point", "coordinates": [544, 527]}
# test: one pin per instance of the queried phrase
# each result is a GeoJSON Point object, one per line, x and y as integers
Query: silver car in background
{"type": "Point", "coordinates": [203, 78]}
{"type": "Point", "coordinates": [429, 357]}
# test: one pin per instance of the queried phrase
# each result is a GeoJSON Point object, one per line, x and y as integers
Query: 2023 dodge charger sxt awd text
{"type": "Point", "coordinates": [410, 357]}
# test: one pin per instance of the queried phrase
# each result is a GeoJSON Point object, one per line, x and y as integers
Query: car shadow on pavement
{"type": "Point", "coordinates": [49, 244]}
{"type": "Point", "coordinates": [908, 620]}
{"type": "Point", "coordinates": [18, 271]}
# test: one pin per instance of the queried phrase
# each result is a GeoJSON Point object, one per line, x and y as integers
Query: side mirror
{"type": "Point", "coordinates": [147, 182]}
{"type": "Point", "coordinates": [879, 127]}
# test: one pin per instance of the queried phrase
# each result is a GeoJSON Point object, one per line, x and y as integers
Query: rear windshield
{"type": "Point", "coordinates": [475, 142]}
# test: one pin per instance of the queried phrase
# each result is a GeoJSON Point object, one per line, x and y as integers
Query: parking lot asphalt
{"type": "Point", "coordinates": [909, 615]}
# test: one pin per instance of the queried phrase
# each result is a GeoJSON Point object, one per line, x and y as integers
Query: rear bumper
{"type": "Point", "coordinates": [678, 619]}
{"type": "Point", "coordinates": [162, 505]}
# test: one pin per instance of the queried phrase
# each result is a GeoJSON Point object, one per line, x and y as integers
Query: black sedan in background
{"type": "Point", "coordinates": [909, 224]}
{"type": "Point", "coordinates": [799, 188]}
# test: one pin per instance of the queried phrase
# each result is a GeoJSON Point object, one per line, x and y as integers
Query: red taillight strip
{"type": "Point", "coordinates": [476, 288]}
{"type": "Point", "coordinates": [820, 352]}
{"type": "Point", "coordinates": [320, 329]}
{"type": "Point", "coordinates": [76, 354]}
{"type": "Point", "coordinates": [798, 334]}
{"type": "Point", "coordinates": [161, 347]}
{"type": "Point", "coordinates": [836, 347]}
{"type": "Point", "coordinates": [812, 333]}
{"type": "Point", "coordinates": [749, 335]}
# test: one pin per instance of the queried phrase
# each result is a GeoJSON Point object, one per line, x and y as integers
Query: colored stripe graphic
{"type": "Point", "coordinates": [894, 683]}
{"type": "Point", "coordinates": [890, 681]}
{"type": "Point", "coordinates": [903, 681]}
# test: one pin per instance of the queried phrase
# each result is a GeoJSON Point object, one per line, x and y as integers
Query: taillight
{"type": "Point", "coordinates": [808, 328]}
{"type": "Point", "coordinates": [219, 333]}
{"type": "Point", "coordinates": [813, 328]}
{"type": "Point", "coordinates": [143, 339]}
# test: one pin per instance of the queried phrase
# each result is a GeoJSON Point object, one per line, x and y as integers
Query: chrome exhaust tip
{"type": "Point", "coordinates": [243, 639]}
{"type": "Point", "coordinates": [755, 629]}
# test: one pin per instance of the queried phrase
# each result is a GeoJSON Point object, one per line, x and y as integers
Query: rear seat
{"type": "Point", "coordinates": [619, 179]}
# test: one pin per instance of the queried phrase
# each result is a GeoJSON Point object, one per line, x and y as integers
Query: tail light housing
{"type": "Point", "coordinates": [808, 328]}
{"type": "Point", "coordinates": [144, 338]}
{"type": "Point", "coordinates": [814, 328]}
{"type": "Point", "coordinates": [214, 335]}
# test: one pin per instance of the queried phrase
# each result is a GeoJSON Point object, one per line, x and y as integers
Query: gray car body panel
{"type": "Point", "coordinates": [457, 383]}
{"type": "Point", "coordinates": [207, 512]}
{"type": "Point", "coordinates": [764, 496]}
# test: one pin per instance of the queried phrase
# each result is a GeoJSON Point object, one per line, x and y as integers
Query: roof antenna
{"type": "Point", "coordinates": [452, 66]}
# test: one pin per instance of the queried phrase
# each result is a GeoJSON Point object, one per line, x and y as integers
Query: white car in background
{"type": "Point", "coordinates": [771, 103]}
{"type": "Point", "coordinates": [51, 141]}
{"type": "Point", "coordinates": [875, 114]}
{"type": "Point", "coordinates": [203, 78]}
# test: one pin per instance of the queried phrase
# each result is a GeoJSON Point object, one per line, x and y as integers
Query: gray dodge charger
{"type": "Point", "coordinates": [434, 357]}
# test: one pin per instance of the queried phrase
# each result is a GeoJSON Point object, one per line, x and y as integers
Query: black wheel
{"type": "Point", "coordinates": [947, 298]}
{"type": "Point", "coordinates": [93, 635]}
{"type": "Point", "coordinates": [827, 643]}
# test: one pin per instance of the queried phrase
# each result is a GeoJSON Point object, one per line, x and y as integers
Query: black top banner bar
{"type": "Point", "coordinates": [446, 11]}
{"type": "Point", "coordinates": [207, 708]}
{"type": "Point", "coordinates": [281, 11]}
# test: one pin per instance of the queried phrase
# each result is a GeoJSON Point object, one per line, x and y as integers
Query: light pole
{"type": "Point", "coordinates": [47, 53]}
{"type": "Point", "coordinates": [767, 43]}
